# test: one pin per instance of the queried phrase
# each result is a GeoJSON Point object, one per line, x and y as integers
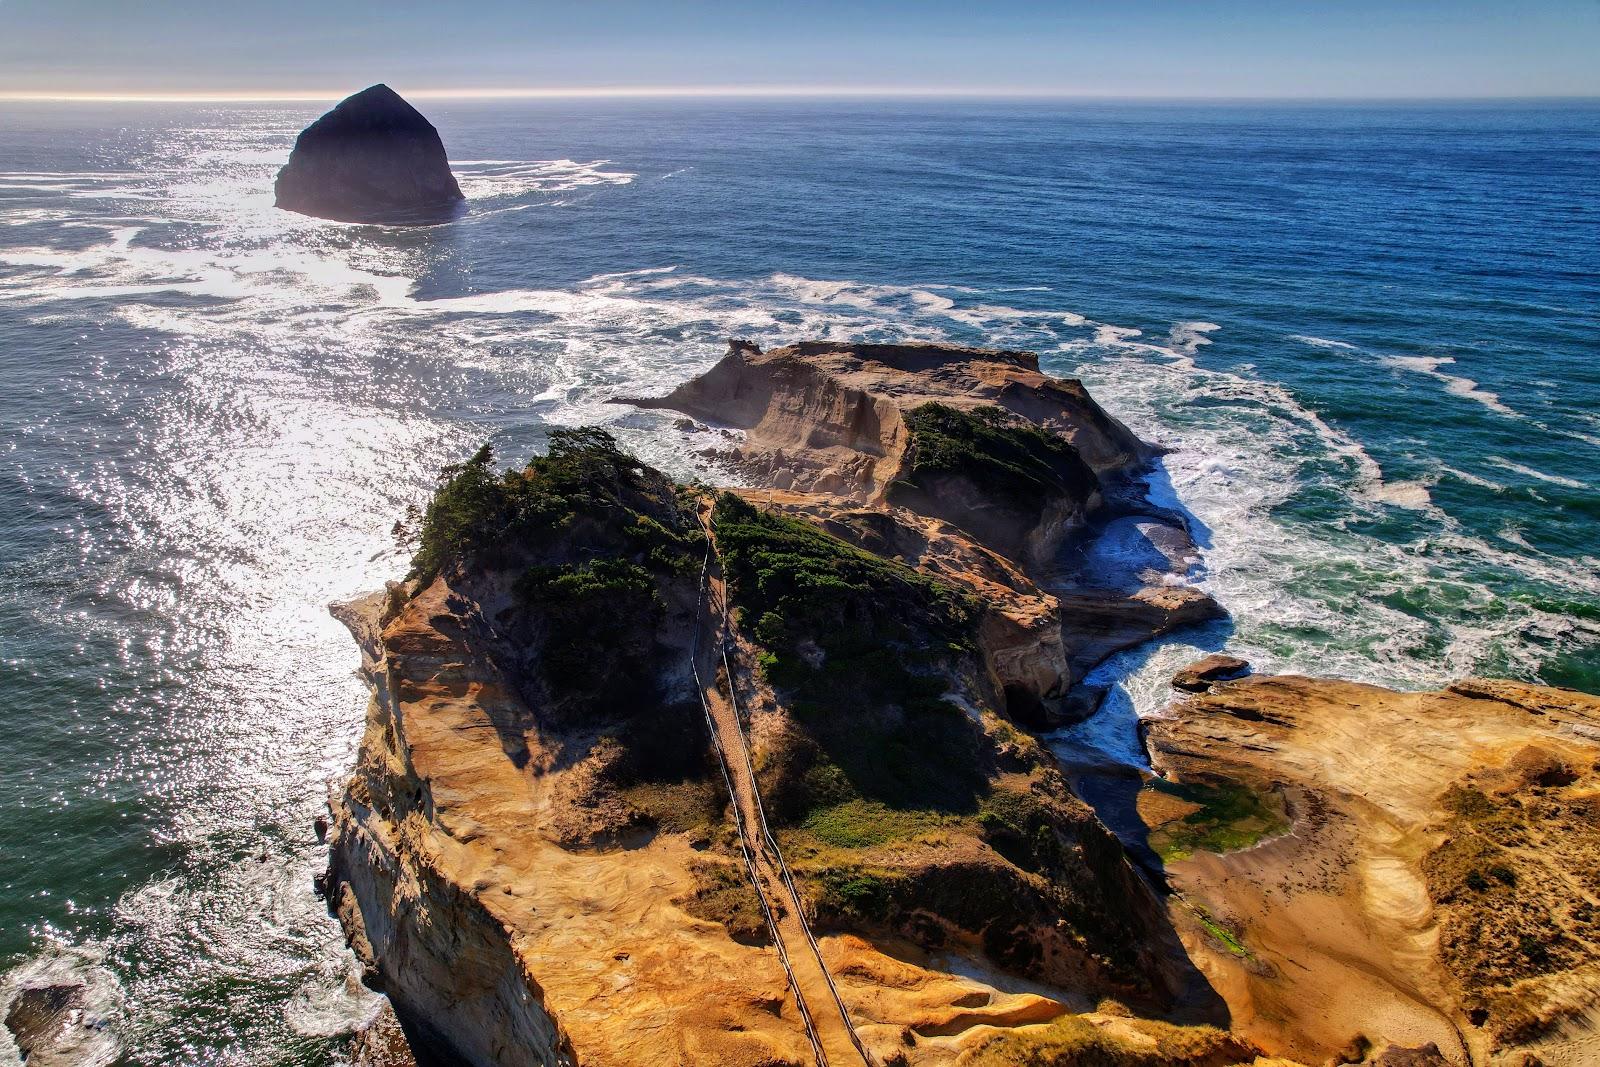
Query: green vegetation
{"type": "Point", "coordinates": [863, 823]}
{"type": "Point", "coordinates": [799, 582]}
{"type": "Point", "coordinates": [476, 512]}
{"type": "Point", "coordinates": [596, 533]}
{"type": "Point", "coordinates": [1231, 816]}
{"type": "Point", "coordinates": [1020, 463]}
{"type": "Point", "coordinates": [863, 649]}
{"type": "Point", "coordinates": [857, 893]}
{"type": "Point", "coordinates": [1229, 939]}
{"type": "Point", "coordinates": [1019, 827]}
{"type": "Point", "coordinates": [597, 613]}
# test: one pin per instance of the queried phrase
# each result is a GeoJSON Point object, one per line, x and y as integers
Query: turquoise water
{"type": "Point", "coordinates": [1369, 335]}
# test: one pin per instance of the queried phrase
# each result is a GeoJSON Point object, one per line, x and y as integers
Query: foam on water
{"type": "Point", "coordinates": [487, 179]}
{"type": "Point", "coordinates": [1454, 384]}
{"type": "Point", "coordinates": [88, 1036]}
{"type": "Point", "coordinates": [1522, 468]}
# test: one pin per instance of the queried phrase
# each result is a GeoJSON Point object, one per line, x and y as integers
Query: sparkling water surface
{"type": "Point", "coordinates": [1367, 333]}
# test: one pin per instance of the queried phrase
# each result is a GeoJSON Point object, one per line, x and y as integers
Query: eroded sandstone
{"type": "Point", "coordinates": [1435, 882]}
{"type": "Point", "coordinates": [535, 858]}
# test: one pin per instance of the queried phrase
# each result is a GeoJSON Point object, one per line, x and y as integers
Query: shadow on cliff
{"type": "Point", "coordinates": [1104, 757]}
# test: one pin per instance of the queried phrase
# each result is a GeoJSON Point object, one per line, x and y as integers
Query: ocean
{"type": "Point", "coordinates": [1368, 334]}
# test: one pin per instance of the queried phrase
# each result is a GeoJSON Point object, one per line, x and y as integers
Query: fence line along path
{"type": "Point", "coordinates": [833, 1036]}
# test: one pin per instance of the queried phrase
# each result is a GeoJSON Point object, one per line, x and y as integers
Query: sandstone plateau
{"type": "Point", "coordinates": [373, 159]}
{"type": "Point", "coordinates": [1433, 878]}
{"type": "Point", "coordinates": [661, 774]}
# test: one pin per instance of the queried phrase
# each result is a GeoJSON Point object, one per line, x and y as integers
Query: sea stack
{"type": "Point", "coordinates": [373, 158]}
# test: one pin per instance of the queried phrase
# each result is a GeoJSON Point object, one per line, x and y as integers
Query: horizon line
{"type": "Point", "coordinates": [710, 91]}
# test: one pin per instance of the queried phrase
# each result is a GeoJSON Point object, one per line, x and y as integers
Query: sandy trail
{"type": "Point", "coordinates": [816, 993]}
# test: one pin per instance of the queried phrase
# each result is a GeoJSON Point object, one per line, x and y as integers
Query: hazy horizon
{"type": "Point", "coordinates": [672, 92]}
{"type": "Point", "coordinates": [1215, 50]}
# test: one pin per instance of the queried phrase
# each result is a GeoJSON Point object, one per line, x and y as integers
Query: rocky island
{"type": "Point", "coordinates": [659, 773]}
{"type": "Point", "coordinates": [372, 159]}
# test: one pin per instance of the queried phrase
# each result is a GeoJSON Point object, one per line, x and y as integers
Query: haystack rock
{"type": "Point", "coordinates": [373, 158]}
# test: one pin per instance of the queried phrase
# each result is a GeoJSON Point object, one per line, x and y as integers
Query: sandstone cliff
{"type": "Point", "coordinates": [1409, 867]}
{"type": "Point", "coordinates": [657, 774]}
{"type": "Point", "coordinates": [373, 158]}
{"type": "Point", "coordinates": [926, 451]}
{"type": "Point", "coordinates": [538, 858]}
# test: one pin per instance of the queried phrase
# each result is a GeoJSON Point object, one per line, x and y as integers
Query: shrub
{"type": "Point", "coordinates": [600, 619]}
{"type": "Point", "coordinates": [1020, 463]}
{"type": "Point", "coordinates": [888, 638]}
{"type": "Point", "coordinates": [476, 512]}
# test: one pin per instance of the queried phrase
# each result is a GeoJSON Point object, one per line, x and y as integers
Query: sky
{"type": "Point", "coordinates": [1117, 48]}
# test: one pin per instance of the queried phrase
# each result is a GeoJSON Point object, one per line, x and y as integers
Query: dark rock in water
{"type": "Point", "coordinates": [373, 158]}
{"type": "Point", "coordinates": [382, 1043]}
{"type": "Point", "coordinates": [1197, 677]}
{"type": "Point", "coordinates": [1082, 701]}
{"type": "Point", "coordinates": [39, 1016]}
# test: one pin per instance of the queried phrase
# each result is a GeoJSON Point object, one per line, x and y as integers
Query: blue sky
{"type": "Point", "coordinates": [1119, 48]}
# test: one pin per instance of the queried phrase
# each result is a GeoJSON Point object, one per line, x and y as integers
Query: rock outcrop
{"type": "Point", "coordinates": [554, 849]}
{"type": "Point", "coordinates": [372, 159]}
{"type": "Point", "coordinates": [968, 450]}
{"type": "Point", "coordinates": [1431, 881]}
{"type": "Point", "coordinates": [536, 860]}
{"type": "Point", "coordinates": [977, 436]}
{"type": "Point", "coordinates": [1197, 677]}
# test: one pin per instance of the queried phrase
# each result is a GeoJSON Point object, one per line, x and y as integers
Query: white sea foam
{"type": "Point", "coordinates": [1524, 469]}
{"type": "Point", "coordinates": [1472, 479]}
{"type": "Point", "coordinates": [1454, 384]}
{"type": "Point", "coordinates": [492, 178]}
{"type": "Point", "coordinates": [1321, 342]}
{"type": "Point", "coordinates": [1189, 337]}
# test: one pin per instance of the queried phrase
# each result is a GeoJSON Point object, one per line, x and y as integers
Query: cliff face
{"type": "Point", "coordinates": [835, 417]}
{"type": "Point", "coordinates": [1425, 871]}
{"type": "Point", "coordinates": [961, 452]}
{"type": "Point", "coordinates": [632, 743]}
{"type": "Point", "coordinates": [537, 858]}
{"type": "Point", "coordinates": [373, 158]}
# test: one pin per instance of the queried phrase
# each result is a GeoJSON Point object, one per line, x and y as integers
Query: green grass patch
{"type": "Point", "coordinates": [1229, 939]}
{"type": "Point", "coordinates": [1231, 816]}
{"type": "Point", "coordinates": [863, 823]}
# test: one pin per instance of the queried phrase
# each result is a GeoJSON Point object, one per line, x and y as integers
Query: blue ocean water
{"type": "Point", "coordinates": [1367, 333]}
